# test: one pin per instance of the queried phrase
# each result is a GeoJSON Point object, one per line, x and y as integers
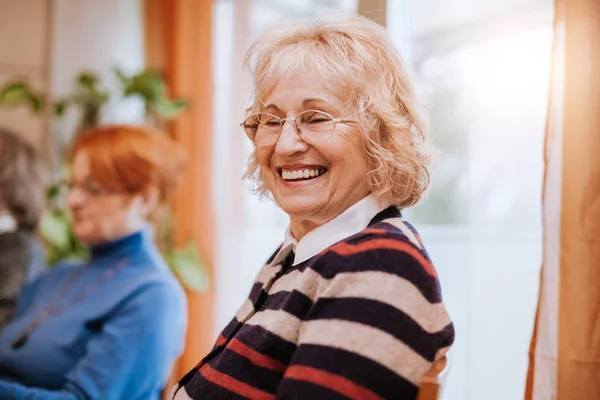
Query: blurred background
{"type": "Point", "coordinates": [481, 69]}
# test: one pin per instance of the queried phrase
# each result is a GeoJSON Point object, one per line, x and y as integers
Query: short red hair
{"type": "Point", "coordinates": [132, 159]}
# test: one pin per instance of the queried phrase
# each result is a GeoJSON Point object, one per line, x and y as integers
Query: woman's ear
{"type": "Point", "coordinates": [150, 200]}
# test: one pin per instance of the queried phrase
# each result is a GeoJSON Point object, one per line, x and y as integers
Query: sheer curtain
{"type": "Point", "coordinates": [565, 350]}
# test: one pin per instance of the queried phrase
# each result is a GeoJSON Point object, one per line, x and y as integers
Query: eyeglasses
{"type": "Point", "coordinates": [88, 188]}
{"type": "Point", "coordinates": [311, 125]}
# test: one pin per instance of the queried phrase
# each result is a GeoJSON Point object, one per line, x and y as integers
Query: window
{"type": "Point", "coordinates": [483, 74]}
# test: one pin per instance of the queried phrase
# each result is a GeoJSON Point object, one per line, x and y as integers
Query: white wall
{"type": "Point", "coordinates": [97, 36]}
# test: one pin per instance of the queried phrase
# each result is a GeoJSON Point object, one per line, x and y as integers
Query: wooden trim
{"type": "Point", "coordinates": [431, 384]}
{"type": "Point", "coordinates": [179, 43]}
{"type": "Point", "coordinates": [154, 33]}
{"type": "Point", "coordinates": [374, 9]}
{"type": "Point", "coordinates": [47, 145]}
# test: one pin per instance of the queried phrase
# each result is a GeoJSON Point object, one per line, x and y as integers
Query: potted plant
{"type": "Point", "coordinates": [90, 97]}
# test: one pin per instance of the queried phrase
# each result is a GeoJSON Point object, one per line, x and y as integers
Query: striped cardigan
{"type": "Point", "coordinates": [363, 319]}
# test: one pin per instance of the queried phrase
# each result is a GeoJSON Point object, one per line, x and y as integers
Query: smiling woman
{"type": "Point", "coordinates": [349, 306]}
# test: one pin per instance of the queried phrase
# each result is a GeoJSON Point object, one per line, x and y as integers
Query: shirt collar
{"type": "Point", "coordinates": [351, 221]}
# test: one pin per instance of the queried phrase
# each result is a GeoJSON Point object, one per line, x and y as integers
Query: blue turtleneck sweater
{"type": "Point", "coordinates": [117, 336]}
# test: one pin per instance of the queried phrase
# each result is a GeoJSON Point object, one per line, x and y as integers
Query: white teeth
{"type": "Point", "coordinates": [301, 173]}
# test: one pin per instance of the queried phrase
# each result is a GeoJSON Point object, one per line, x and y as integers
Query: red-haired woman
{"type": "Point", "coordinates": [112, 327]}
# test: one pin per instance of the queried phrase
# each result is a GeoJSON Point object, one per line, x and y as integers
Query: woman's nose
{"type": "Point", "coordinates": [75, 198]}
{"type": "Point", "coordinates": [290, 140]}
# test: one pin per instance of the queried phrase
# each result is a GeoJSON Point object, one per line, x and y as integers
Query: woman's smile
{"type": "Point", "coordinates": [300, 174]}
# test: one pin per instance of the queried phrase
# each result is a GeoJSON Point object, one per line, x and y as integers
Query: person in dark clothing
{"type": "Point", "coordinates": [21, 206]}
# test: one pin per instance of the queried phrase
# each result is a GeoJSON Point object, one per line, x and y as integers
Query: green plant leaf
{"type": "Point", "coordinates": [60, 240]}
{"type": "Point", "coordinates": [89, 90]}
{"type": "Point", "coordinates": [52, 192]}
{"type": "Point", "coordinates": [186, 263]}
{"type": "Point", "coordinates": [147, 84]}
{"type": "Point", "coordinates": [168, 109]}
{"type": "Point", "coordinates": [122, 77]}
{"type": "Point", "coordinates": [15, 92]}
{"type": "Point", "coordinates": [60, 107]}
{"type": "Point", "coordinates": [20, 93]}
{"type": "Point", "coordinates": [88, 80]}
{"type": "Point", "coordinates": [55, 227]}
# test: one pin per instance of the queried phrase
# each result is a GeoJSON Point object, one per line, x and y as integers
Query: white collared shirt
{"type": "Point", "coordinates": [351, 221]}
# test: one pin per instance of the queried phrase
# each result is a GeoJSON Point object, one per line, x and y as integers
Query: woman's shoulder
{"type": "Point", "coordinates": [59, 271]}
{"type": "Point", "coordinates": [391, 247]}
{"type": "Point", "coordinates": [148, 276]}
{"type": "Point", "coordinates": [396, 230]}
{"type": "Point", "coordinates": [394, 237]}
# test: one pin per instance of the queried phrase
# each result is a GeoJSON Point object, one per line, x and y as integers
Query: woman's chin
{"type": "Point", "coordinates": [83, 236]}
{"type": "Point", "coordinates": [299, 208]}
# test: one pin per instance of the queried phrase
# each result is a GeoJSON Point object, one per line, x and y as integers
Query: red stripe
{"type": "Point", "coordinates": [383, 243]}
{"type": "Point", "coordinates": [374, 231]}
{"type": "Point", "coordinates": [220, 340]}
{"type": "Point", "coordinates": [232, 384]}
{"type": "Point", "coordinates": [255, 357]}
{"type": "Point", "coordinates": [331, 381]}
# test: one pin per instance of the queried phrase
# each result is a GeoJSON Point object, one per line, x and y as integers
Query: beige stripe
{"type": "Point", "coordinates": [267, 273]}
{"type": "Point", "coordinates": [368, 342]}
{"type": "Point", "coordinates": [246, 309]}
{"type": "Point", "coordinates": [392, 290]}
{"type": "Point", "coordinates": [179, 393]}
{"type": "Point", "coordinates": [399, 223]}
{"type": "Point", "coordinates": [380, 286]}
{"type": "Point", "coordinates": [278, 322]}
{"type": "Point", "coordinates": [442, 352]}
{"type": "Point", "coordinates": [308, 282]}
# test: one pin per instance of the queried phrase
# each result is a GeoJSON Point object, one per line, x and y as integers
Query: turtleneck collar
{"type": "Point", "coordinates": [123, 245]}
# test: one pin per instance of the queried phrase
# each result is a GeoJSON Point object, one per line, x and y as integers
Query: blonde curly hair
{"type": "Point", "coordinates": [356, 54]}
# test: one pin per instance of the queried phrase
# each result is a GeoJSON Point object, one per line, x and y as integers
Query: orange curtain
{"type": "Point", "coordinates": [565, 348]}
{"type": "Point", "coordinates": [178, 36]}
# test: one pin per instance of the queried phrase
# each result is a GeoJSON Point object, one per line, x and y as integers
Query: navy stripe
{"type": "Point", "coordinates": [266, 343]}
{"type": "Point", "coordinates": [448, 338]}
{"type": "Point", "coordinates": [383, 317]}
{"type": "Point", "coordinates": [255, 292]}
{"type": "Point", "coordinates": [270, 260]}
{"type": "Point", "coordinates": [412, 228]}
{"type": "Point", "coordinates": [230, 328]}
{"type": "Point", "coordinates": [294, 303]}
{"type": "Point", "coordinates": [365, 372]}
{"type": "Point", "coordinates": [390, 212]}
{"type": "Point", "coordinates": [382, 260]}
{"type": "Point", "coordinates": [198, 387]}
{"type": "Point", "coordinates": [239, 367]}
{"type": "Point", "coordinates": [293, 389]}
